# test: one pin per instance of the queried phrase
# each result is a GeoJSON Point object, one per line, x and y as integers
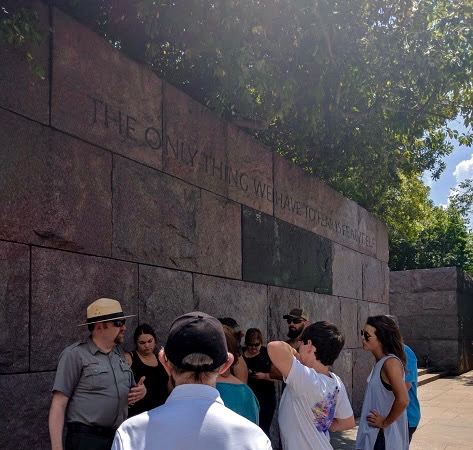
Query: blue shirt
{"type": "Point", "coordinates": [240, 398]}
{"type": "Point", "coordinates": [413, 410]}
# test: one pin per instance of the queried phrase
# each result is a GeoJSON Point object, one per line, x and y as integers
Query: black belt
{"type": "Point", "coordinates": [77, 427]}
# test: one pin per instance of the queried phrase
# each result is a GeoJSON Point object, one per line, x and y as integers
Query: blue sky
{"type": "Point", "coordinates": [459, 167]}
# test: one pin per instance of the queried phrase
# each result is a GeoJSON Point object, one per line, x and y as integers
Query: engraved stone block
{"type": "Point", "coordinates": [21, 89]}
{"type": "Point", "coordinates": [25, 400]}
{"type": "Point", "coordinates": [164, 221]}
{"type": "Point", "coordinates": [164, 295]}
{"type": "Point", "coordinates": [305, 201]}
{"type": "Point", "coordinates": [54, 190]}
{"type": "Point", "coordinates": [103, 97]}
{"type": "Point", "coordinates": [14, 307]}
{"type": "Point", "coordinates": [194, 148]}
{"type": "Point", "coordinates": [347, 272]}
{"type": "Point", "coordinates": [277, 253]}
{"type": "Point", "coordinates": [247, 303]}
{"type": "Point", "coordinates": [250, 173]}
{"type": "Point", "coordinates": [63, 284]}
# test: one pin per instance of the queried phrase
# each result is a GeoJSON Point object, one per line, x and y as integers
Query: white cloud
{"type": "Point", "coordinates": [464, 170]}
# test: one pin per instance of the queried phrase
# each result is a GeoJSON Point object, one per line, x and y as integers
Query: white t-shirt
{"type": "Point", "coordinates": [193, 417]}
{"type": "Point", "coordinates": [308, 406]}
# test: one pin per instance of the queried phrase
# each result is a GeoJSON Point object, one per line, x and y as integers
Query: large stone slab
{"type": "Point", "coordinates": [22, 90]}
{"type": "Point", "coordinates": [375, 280]}
{"type": "Point", "coordinates": [63, 284]}
{"type": "Point", "coordinates": [347, 272]}
{"type": "Point", "coordinates": [363, 314]}
{"type": "Point", "coordinates": [164, 295]}
{"type": "Point", "coordinates": [303, 200]}
{"type": "Point", "coordinates": [321, 307]}
{"type": "Point", "coordinates": [163, 221]}
{"type": "Point", "coordinates": [424, 280]}
{"type": "Point", "coordinates": [247, 303]}
{"type": "Point", "coordinates": [343, 367]}
{"type": "Point", "coordinates": [14, 307]}
{"type": "Point", "coordinates": [377, 309]}
{"type": "Point", "coordinates": [349, 322]}
{"type": "Point", "coordinates": [424, 303]}
{"type": "Point", "coordinates": [250, 173]}
{"type": "Point", "coordinates": [54, 190]}
{"type": "Point", "coordinates": [363, 362]}
{"type": "Point", "coordinates": [25, 400]}
{"type": "Point", "coordinates": [280, 254]}
{"type": "Point", "coordinates": [281, 301]}
{"type": "Point", "coordinates": [194, 147]}
{"type": "Point", "coordinates": [100, 95]}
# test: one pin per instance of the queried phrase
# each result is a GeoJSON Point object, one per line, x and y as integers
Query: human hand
{"type": "Point", "coordinates": [375, 419]}
{"type": "Point", "coordinates": [137, 392]}
{"type": "Point", "coordinates": [259, 375]}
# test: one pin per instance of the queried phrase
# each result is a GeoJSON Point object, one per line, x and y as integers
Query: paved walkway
{"type": "Point", "coordinates": [447, 417]}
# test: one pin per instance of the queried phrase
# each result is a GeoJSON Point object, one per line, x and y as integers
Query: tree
{"type": "Point", "coordinates": [355, 91]}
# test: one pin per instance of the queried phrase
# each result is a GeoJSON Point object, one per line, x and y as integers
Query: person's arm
{"type": "Point", "coordinates": [282, 356]}
{"type": "Point", "coordinates": [263, 376]}
{"type": "Point", "coordinates": [57, 412]}
{"type": "Point", "coordinates": [128, 358]}
{"type": "Point", "coordinates": [274, 373]}
{"type": "Point", "coordinates": [408, 385]}
{"type": "Point", "coordinates": [343, 424]}
{"type": "Point", "coordinates": [394, 372]}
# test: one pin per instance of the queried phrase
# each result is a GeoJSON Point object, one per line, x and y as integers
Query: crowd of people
{"type": "Point", "coordinates": [204, 390]}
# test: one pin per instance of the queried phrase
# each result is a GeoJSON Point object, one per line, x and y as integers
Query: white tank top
{"type": "Point", "coordinates": [379, 398]}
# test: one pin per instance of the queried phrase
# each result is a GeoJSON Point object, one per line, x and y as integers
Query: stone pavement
{"type": "Point", "coordinates": [447, 417]}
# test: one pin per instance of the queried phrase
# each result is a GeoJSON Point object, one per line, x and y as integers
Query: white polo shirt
{"type": "Point", "coordinates": [193, 417]}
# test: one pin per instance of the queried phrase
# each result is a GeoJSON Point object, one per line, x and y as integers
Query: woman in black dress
{"type": "Point", "coordinates": [143, 362]}
{"type": "Point", "coordinates": [258, 362]}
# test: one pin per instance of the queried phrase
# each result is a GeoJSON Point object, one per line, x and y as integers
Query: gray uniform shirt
{"type": "Point", "coordinates": [96, 383]}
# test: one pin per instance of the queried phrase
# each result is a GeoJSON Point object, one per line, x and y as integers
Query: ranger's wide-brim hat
{"type": "Point", "coordinates": [103, 310]}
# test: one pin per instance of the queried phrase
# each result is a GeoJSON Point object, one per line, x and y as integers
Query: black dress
{"type": "Point", "coordinates": [156, 385]}
{"type": "Point", "coordinates": [264, 390]}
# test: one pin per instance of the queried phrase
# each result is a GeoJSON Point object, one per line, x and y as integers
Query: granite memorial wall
{"type": "Point", "coordinates": [114, 183]}
{"type": "Point", "coordinates": [435, 312]}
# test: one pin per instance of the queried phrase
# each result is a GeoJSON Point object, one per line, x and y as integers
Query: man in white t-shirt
{"type": "Point", "coordinates": [315, 400]}
{"type": "Point", "coordinates": [194, 416]}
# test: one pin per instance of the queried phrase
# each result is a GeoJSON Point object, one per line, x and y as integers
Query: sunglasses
{"type": "Point", "coordinates": [291, 320]}
{"type": "Point", "coordinates": [118, 323]}
{"type": "Point", "coordinates": [366, 335]}
{"type": "Point", "coordinates": [253, 345]}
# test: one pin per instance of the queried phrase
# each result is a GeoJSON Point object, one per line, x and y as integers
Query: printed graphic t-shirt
{"type": "Point", "coordinates": [308, 406]}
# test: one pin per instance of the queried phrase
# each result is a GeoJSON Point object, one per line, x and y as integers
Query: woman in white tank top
{"type": "Point", "coordinates": [383, 421]}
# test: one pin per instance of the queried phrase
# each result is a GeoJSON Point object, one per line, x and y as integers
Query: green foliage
{"type": "Point", "coordinates": [443, 242]}
{"type": "Point", "coordinates": [22, 28]}
{"type": "Point", "coordinates": [358, 92]}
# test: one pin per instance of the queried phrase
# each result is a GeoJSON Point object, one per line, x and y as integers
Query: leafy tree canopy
{"type": "Point", "coordinates": [358, 92]}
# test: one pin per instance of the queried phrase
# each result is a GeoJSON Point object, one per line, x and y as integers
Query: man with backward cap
{"type": "Point", "coordinates": [194, 416]}
{"type": "Point", "coordinates": [94, 384]}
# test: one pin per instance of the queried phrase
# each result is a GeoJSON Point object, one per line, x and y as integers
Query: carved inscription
{"type": "Point", "coordinates": [105, 114]}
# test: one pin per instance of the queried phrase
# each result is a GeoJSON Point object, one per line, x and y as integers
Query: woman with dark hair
{"type": "Point", "coordinates": [383, 421]}
{"type": "Point", "coordinates": [258, 362]}
{"type": "Point", "coordinates": [235, 394]}
{"type": "Point", "coordinates": [143, 362]}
